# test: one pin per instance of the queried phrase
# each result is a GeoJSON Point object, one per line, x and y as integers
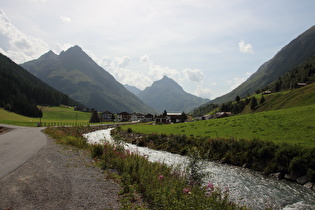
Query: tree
{"type": "Point", "coordinates": [253, 104]}
{"type": "Point", "coordinates": [262, 100]}
{"type": "Point", "coordinates": [237, 99]}
{"type": "Point", "coordinates": [94, 117]}
{"type": "Point", "coordinates": [184, 117]}
{"type": "Point", "coordinates": [165, 113]}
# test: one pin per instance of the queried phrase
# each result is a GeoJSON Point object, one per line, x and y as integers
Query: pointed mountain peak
{"type": "Point", "coordinates": [74, 49]}
{"type": "Point", "coordinates": [75, 52]}
{"type": "Point", "coordinates": [167, 82]}
{"type": "Point", "coordinates": [49, 54]}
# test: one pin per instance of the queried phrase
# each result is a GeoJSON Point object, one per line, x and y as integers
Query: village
{"type": "Point", "coordinates": [164, 118]}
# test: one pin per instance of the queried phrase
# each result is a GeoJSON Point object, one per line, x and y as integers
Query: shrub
{"type": "Point", "coordinates": [96, 150]}
{"type": "Point", "coordinates": [129, 130]}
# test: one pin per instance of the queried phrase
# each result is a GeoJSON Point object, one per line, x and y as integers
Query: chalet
{"type": "Point", "coordinates": [169, 118]}
{"type": "Point", "coordinates": [175, 117]}
{"type": "Point", "coordinates": [148, 117]}
{"type": "Point", "coordinates": [107, 116]}
{"type": "Point", "coordinates": [136, 117]}
{"type": "Point", "coordinates": [123, 117]}
{"type": "Point", "coordinates": [162, 119]}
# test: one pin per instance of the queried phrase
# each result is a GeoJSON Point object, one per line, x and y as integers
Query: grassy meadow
{"type": "Point", "coordinates": [293, 125]}
{"type": "Point", "coordinates": [51, 115]}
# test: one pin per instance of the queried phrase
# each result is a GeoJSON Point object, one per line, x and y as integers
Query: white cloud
{"type": "Point", "coordinates": [145, 59]}
{"type": "Point", "coordinates": [63, 47]}
{"type": "Point", "coordinates": [245, 48]}
{"type": "Point", "coordinates": [17, 45]}
{"type": "Point", "coordinates": [203, 92]}
{"type": "Point", "coordinates": [122, 61]}
{"type": "Point", "coordinates": [194, 75]}
{"type": "Point", "coordinates": [65, 19]}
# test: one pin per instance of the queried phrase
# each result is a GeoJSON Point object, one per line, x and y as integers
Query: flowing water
{"type": "Point", "coordinates": [245, 186]}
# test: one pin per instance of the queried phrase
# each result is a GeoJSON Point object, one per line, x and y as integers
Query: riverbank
{"type": "Point", "coordinates": [245, 186]}
{"type": "Point", "coordinates": [279, 161]}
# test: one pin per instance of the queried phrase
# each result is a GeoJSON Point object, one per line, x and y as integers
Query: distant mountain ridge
{"type": "Point", "coordinates": [297, 51]}
{"type": "Point", "coordinates": [73, 72]}
{"type": "Point", "coordinates": [166, 94]}
{"type": "Point", "coordinates": [21, 92]}
{"type": "Point", "coordinates": [132, 89]}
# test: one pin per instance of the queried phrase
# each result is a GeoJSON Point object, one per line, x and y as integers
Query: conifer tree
{"type": "Point", "coordinates": [254, 103]}
{"type": "Point", "coordinates": [94, 117]}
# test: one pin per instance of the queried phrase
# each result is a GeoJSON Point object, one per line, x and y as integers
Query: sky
{"type": "Point", "coordinates": [209, 47]}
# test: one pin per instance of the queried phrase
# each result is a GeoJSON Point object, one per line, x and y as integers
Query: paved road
{"type": "Point", "coordinates": [18, 146]}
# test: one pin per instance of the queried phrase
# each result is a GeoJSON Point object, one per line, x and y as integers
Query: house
{"type": "Point", "coordinates": [175, 117]}
{"type": "Point", "coordinates": [162, 119]}
{"type": "Point", "coordinates": [267, 92]}
{"type": "Point", "coordinates": [300, 84]}
{"type": "Point", "coordinates": [107, 116]}
{"type": "Point", "coordinates": [148, 117]}
{"type": "Point", "coordinates": [169, 118]}
{"type": "Point", "coordinates": [123, 117]}
{"type": "Point", "coordinates": [223, 114]}
{"type": "Point", "coordinates": [137, 117]}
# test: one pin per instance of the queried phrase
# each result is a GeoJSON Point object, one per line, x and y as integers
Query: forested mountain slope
{"type": "Point", "coordinates": [21, 91]}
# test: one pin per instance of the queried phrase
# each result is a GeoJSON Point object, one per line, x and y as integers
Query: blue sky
{"type": "Point", "coordinates": [208, 46]}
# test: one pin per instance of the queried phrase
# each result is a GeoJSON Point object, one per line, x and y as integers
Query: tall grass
{"type": "Point", "coordinates": [162, 187]}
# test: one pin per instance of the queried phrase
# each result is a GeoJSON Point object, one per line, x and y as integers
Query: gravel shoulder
{"type": "Point", "coordinates": [58, 177]}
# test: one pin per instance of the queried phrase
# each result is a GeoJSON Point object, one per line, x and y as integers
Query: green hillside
{"type": "Point", "coordinates": [303, 96]}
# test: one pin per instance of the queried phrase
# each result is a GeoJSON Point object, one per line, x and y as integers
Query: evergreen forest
{"type": "Point", "coordinates": [21, 92]}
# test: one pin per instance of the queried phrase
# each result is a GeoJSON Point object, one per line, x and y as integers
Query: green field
{"type": "Point", "coordinates": [293, 125]}
{"type": "Point", "coordinates": [52, 115]}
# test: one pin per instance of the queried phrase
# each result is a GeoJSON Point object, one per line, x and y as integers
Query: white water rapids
{"type": "Point", "coordinates": [245, 186]}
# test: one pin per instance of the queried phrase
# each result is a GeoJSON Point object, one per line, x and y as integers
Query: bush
{"type": "Point", "coordinates": [97, 151]}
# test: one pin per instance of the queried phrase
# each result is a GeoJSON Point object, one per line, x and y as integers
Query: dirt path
{"type": "Point", "coordinates": [58, 177]}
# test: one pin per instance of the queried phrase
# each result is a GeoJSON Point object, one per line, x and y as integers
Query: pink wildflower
{"type": "Point", "coordinates": [186, 191]}
{"type": "Point", "coordinates": [227, 190]}
{"type": "Point", "coordinates": [210, 186]}
{"type": "Point", "coordinates": [161, 177]}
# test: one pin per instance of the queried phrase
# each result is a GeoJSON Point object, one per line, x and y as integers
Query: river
{"type": "Point", "coordinates": [245, 186]}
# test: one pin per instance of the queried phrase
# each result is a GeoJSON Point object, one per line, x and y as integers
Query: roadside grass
{"type": "Point", "coordinates": [295, 126]}
{"type": "Point", "coordinates": [51, 116]}
{"type": "Point", "coordinates": [12, 118]}
{"type": "Point", "coordinates": [160, 186]}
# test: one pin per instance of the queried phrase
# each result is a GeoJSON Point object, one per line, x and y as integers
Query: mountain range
{"type": "Point", "coordinates": [297, 51]}
{"type": "Point", "coordinates": [73, 72]}
{"type": "Point", "coordinates": [166, 94]}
